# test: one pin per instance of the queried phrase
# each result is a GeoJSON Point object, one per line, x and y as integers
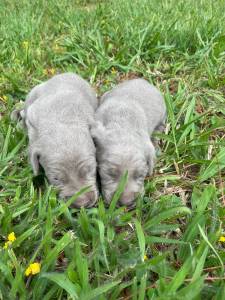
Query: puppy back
{"type": "Point", "coordinates": [62, 83]}
{"type": "Point", "coordinates": [142, 93]}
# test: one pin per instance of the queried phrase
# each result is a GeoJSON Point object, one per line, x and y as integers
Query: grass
{"type": "Point", "coordinates": [168, 247]}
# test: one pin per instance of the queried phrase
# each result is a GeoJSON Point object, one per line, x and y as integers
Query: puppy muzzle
{"type": "Point", "coordinates": [87, 200]}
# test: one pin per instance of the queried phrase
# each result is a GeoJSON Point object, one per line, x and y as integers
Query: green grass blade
{"type": "Point", "coordinates": [217, 164]}
{"type": "Point", "coordinates": [170, 213]}
{"type": "Point", "coordinates": [141, 238]}
{"type": "Point", "coordinates": [200, 265]}
{"type": "Point", "coordinates": [192, 290]}
{"type": "Point", "coordinates": [180, 276]}
{"type": "Point", "coordinates": [60, 245]}
{"type": "Point", "coordinates": [62, 281]}
{"type": "Point", "coordinates": [118, 192]}
{"type": "Point", "coordinates": [211, 246]}
{"type": "Point", "coordinates": [156, 239]}
{"type": "Point", "coordinates": [99, 291]}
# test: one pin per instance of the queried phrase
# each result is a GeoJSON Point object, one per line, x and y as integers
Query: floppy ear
{"type": "Point", "coordinates": [31, 122]}
{"type": "Point", "coordinates": [34, 160]}
{"type": "Point", "coordinates": [150, 157]}
{"type": "Point", "coordinates": [31, 119]}
{"type": "Point", "coordinates": [98, 132]}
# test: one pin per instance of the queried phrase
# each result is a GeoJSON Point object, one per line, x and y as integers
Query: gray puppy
{"type": "Point", "coordinates": [125, 121]}
{"type": "Point", "coordinates": [58, 114]}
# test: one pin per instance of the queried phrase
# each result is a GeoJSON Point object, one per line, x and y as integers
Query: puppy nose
{"type": "Point", "coordinates": [91, 198]}
{"type": "Point", "coordinates": [128, 199]}
{"type": "Point", "coordinates": [86, 200]}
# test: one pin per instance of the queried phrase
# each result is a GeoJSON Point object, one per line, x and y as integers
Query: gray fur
{"type": "Point", "coordinates": [126, 120]}
{"type": "Point", "coordinates": [58, 114]}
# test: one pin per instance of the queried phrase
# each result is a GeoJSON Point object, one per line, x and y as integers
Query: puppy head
{"type": "Point", "coordinates": [69, 164]}
{"type": "Point", "coordinates": [68, 173]}
{"type": "Point", "coordinates": [115, 156]}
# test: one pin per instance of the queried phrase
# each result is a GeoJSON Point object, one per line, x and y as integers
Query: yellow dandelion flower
{"type": "Point", "coordinates": [28, 271]}
{"type": "Point", "coordinates": [33, 269]}
{"type": "Point", "coordinates": [222, 239]}
{"type": "Point", "coordinates": [25, 44]}
{"type": "Point", "coordinates": [113, 70]}
{"type": "Point", "coordinates": [145, 257]}
{"type": "Point", "coordinates": [4, 98]}
{"type": "Point", "coordinates": [7, 244]}
{"type": "Point", "coordinates": [11, 237]}
{"type": "Point", "coordinates": [50, 71]}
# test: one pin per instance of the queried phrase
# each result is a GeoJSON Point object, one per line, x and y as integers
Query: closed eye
{"type": "Point", "coordinates": [58, 179]}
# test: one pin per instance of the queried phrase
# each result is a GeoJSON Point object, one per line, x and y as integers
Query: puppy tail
{"type": "Point", "coordinates": [15, 115]}
{"type": "Point", "coordinates": [18, 116]}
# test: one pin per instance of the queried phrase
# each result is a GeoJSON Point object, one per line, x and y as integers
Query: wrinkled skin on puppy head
{"type": "Point", "coordinates": [69, 174]}
{"type": "Point", "coordinates": [69, 163]}
{"type": "Point", "coordinates": [115, 158]}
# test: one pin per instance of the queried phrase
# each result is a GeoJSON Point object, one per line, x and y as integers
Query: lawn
{"type": "Point", "coordinates": [172, 245]}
